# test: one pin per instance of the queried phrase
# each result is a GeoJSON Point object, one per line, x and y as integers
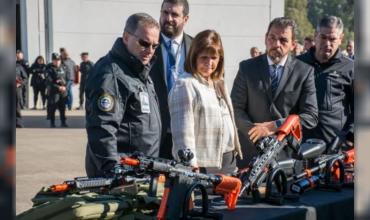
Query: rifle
{"type": "Point", "coordinates": [265, 166]}
{"type": "Point", "coordinates": [173, 171]}
{"type": "Point", "coordinates": [121, 177]}
{"type": "Point", "coordinates": [329, 172]}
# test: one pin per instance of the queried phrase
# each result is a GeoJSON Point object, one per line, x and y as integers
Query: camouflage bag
{"type": "Point", "coordinates": [91, 205]}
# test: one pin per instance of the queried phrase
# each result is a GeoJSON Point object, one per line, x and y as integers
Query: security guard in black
{"type": "Point", "coordinates": [335, 96]}
{"type": "Point", "coordinates": [122, 110]}
{"type": "Point", "coordinates": [56, 89]}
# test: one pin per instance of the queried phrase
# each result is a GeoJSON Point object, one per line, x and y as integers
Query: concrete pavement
{"type": "Point", "coordinates": [46, 156]}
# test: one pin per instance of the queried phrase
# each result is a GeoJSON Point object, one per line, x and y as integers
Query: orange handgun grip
{"type": "Point", "coordinates": [230, 187]}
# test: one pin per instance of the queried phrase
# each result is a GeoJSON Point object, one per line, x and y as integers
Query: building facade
{"type": "Point", "coordinates": [92, 25]}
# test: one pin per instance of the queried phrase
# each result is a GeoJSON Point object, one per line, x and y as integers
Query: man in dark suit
{"type": "Point", "coordinates": [270, 87]}
{"type": "Point", "coordinates": [170, 61]}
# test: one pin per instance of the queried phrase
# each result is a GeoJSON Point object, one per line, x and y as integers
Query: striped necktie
{"type": "Point", "coordinates": [274, 76]}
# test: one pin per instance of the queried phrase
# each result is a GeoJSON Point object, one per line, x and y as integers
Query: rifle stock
{"type": "Point", "coordinates": [229, 187]}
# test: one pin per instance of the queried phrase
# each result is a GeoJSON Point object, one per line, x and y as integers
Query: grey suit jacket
{"type": "Point", "coordinates": [253, 100]}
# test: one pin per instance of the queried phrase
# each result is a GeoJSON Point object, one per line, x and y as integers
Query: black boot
{"type": "Point", "coordinates": [52, 124]}
{"type": "Point", "coordinates": [64, 125]}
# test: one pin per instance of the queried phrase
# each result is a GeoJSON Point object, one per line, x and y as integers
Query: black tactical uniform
{"type": "Point", "coordinates": [24, 98]}
{"type": "Point", "coordinates": [20, 79]}
{"type": "Point", "coordinates": [56, 77]}
{"type": "Point", "coordinates": [122, 111]}
{"type": "Point", "coordinates": [85, 67]}
{"type": "Point", "coordinates": [334, 87]}
{"type": "Point", "coordinates": [38, 82]}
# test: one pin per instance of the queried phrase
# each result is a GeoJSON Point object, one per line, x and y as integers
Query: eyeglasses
{"type": "Point", "coordinates": [143, 43]}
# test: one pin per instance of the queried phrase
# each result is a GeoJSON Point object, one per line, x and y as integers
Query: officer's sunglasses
{"type": "Point", "coordinates": [144, 44]}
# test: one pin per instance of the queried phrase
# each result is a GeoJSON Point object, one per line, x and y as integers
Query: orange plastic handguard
{"type": "Point", "coordinates": [308, 172]}
{"type": "Point", "coordinates": [130, 161]}
{"type": "Point", "coordinates": [230, 188]}
{"type": "Point", "coordinates": [291, 125]}
{"type": "Point", "coordinates": [60, 187]}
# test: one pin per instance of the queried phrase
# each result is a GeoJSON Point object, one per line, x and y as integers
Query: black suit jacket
{"type": "Point", "coordinates": [158, 75]}
{"type": "Point", "coordinates": [253, 100]}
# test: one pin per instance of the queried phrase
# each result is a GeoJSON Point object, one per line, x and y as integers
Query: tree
{"type": "Point", "coordinates": [341, 8]}
{"type": "Point", "coordinates": [297, 10]}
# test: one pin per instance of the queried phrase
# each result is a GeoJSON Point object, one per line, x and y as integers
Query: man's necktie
{"type": "Point", "coordinates": [274, 75]}
{"type": "Point", "coordinates": [171, 62]}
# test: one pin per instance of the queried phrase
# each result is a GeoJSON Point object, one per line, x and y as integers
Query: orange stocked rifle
{"type": "Point", "coordinates": [228, 186]}
{"type": "Point", "coordinates": [265, 167]}
{"type": "Point", "coordinates": [329, 172]}
{"type": "Point", "coordinates": [120, 177]}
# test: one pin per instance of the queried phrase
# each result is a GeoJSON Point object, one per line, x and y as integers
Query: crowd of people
{"type": "Point", "coordinates": [159, 90]}
{"type": "Point", "coordinates": [53, 82]}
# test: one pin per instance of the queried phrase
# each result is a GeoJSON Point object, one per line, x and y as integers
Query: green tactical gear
{"type": "Point", "coordinates": [91, 205]}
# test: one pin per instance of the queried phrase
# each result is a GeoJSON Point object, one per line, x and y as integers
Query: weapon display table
{"type": "Point", "coordinates": [312, 205]}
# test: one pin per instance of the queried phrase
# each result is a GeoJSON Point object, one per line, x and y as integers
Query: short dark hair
{"type": "Point", "coordinates": [184, 3]}
{"type": "Point", "coordinates": [330, 21]}
{"type": "Point", "coordinates": [205, 41]}
{"type": "Point", "coordinates": [84, 53]}
{"type": "Point", "coordinates": [308, 38]}
{"type": "Point", "coordinates": [284, 22]}
{"type": "Point", "coordinates": [137, 19]}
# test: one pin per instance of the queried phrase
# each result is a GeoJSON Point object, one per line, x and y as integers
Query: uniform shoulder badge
{"type": "Point", "coordinates": [106, 102]}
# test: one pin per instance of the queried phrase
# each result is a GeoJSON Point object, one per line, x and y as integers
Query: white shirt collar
{"type": "Point", "coordinates": [281, 63]}
{"type": "Point", "coordinates": [177, 39]}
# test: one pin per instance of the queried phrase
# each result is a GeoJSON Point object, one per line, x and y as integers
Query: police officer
{"type": "Point", "coordinates": [85, 66]}
{"type": "Point", "coordinates": [26, 67]}
{"type": "Point", "coordinates": [57, 90]}
{"type": "Point", "coordinates": [20, 79]}
{"type": "Point", "coordinates": [334, 77]}
{"type": "Point", "coordinates": [38, 80]}
{"type": "Point", "coordinates": [122, 110]}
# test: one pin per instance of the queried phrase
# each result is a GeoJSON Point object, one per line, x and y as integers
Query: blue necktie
{"type": "Point", "coordinates": [274, 75]}
{"type": "Point", "coordinates": [171, 62]}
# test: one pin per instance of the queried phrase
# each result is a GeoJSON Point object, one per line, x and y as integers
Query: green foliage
{"type": "Point", "coordinates": [297, 10]}
{"type": "Point", "coordinates": [307, 14]}
{"type": "Point", "coordinates": [341, 8]}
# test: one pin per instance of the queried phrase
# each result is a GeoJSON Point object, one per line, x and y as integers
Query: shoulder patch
{"type": "Point", "coordinates": [106, 102]}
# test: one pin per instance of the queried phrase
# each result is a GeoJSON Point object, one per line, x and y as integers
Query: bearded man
{"type": "Point", "coordinates": [270, 87]}
{"type": "Point", "coordinates": [174, 45]}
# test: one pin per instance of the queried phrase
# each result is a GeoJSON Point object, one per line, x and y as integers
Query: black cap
{"type": "Point", "coordinates": [55, 56]}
